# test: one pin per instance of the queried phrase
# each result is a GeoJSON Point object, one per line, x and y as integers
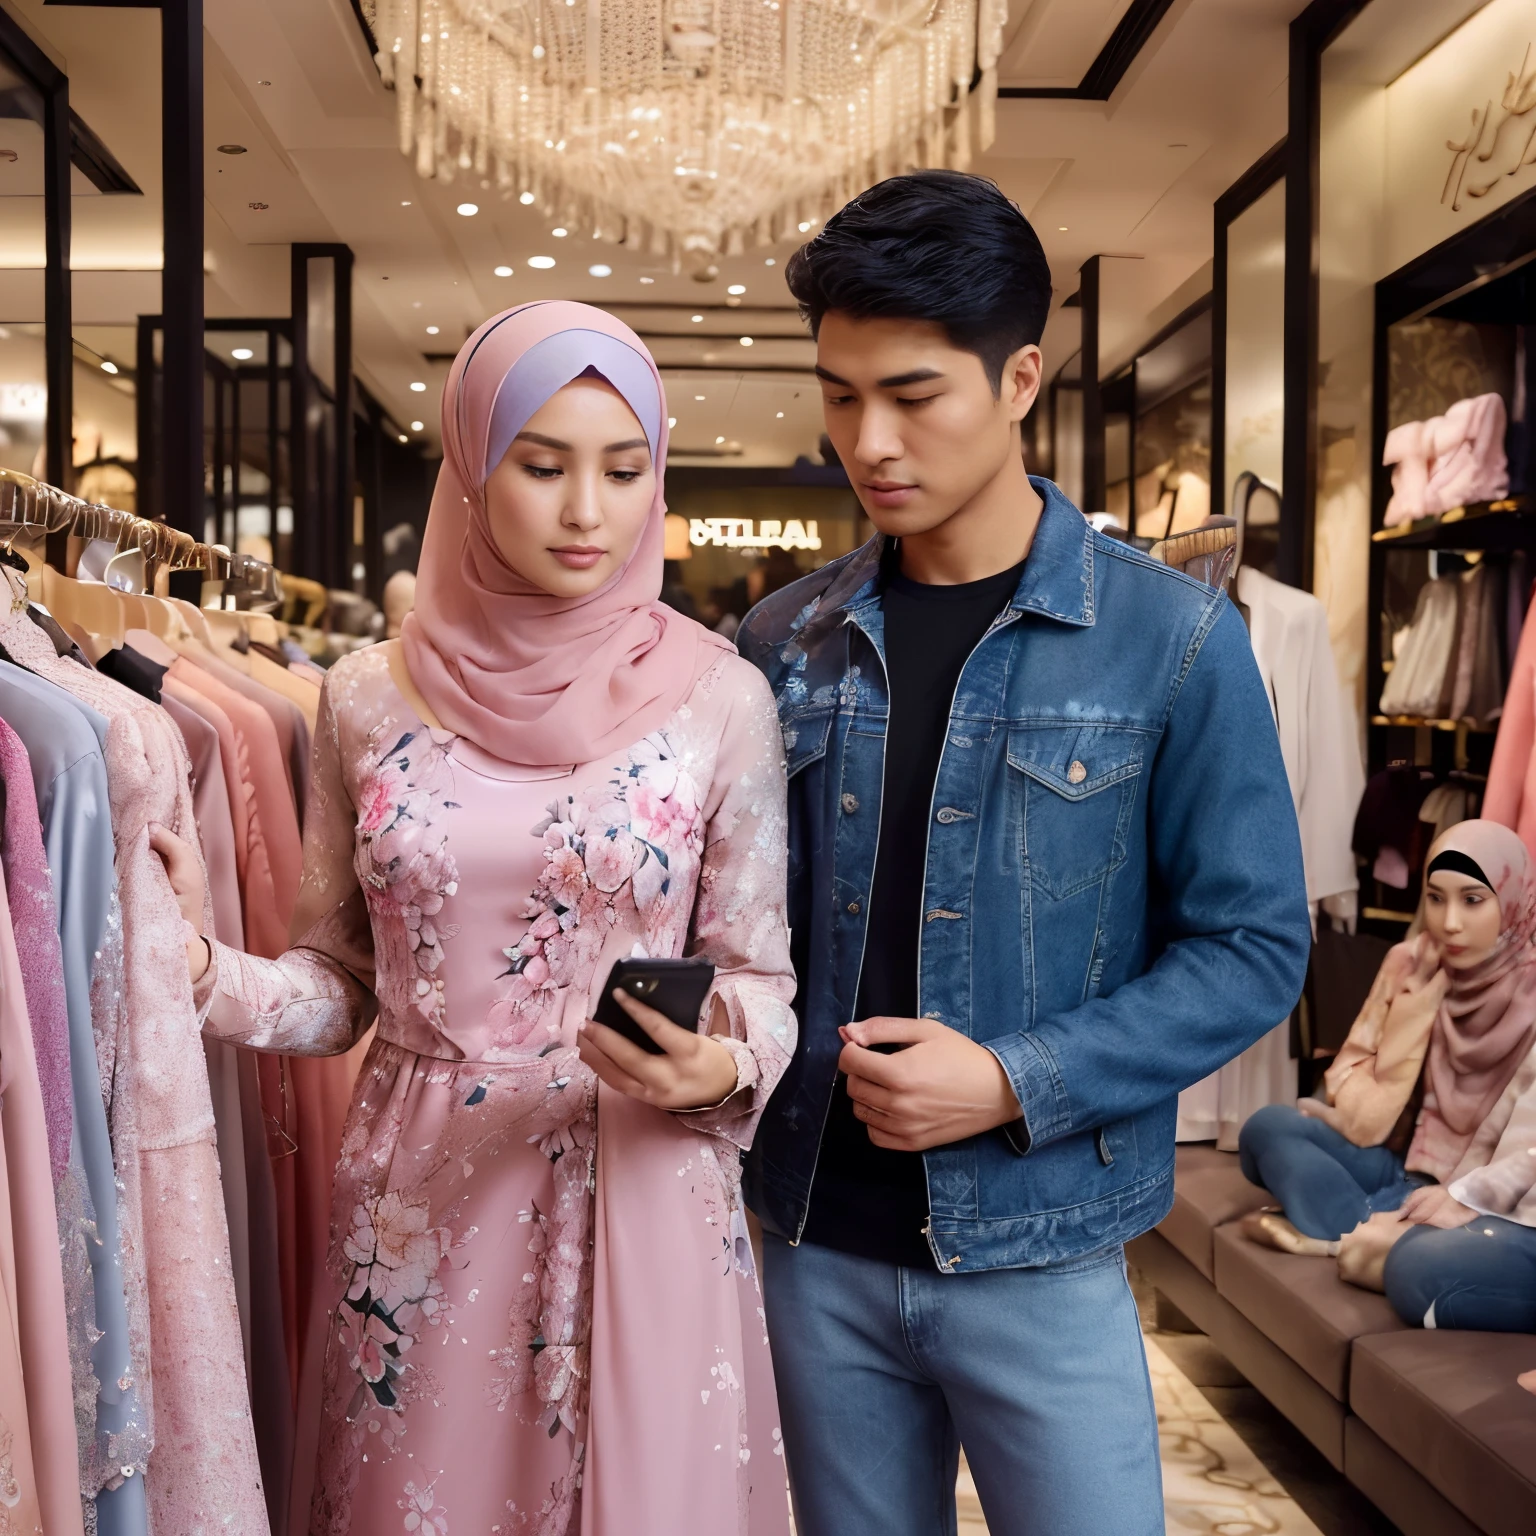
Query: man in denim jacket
{"type": "Point", "coordinates": [1044, 872]}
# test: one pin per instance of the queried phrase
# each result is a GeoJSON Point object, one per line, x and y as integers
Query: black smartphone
{"type": "Point", "coordinates": [676, 988]}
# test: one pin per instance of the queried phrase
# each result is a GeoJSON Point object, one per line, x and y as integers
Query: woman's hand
{"type": "Point", "coordinates": [1318, 1109]}
{"type": "Point", "coordinates": [694, 1071]}
{"type": "Point", "coordinates": [1435, 1206]}
{"type": "Point", "coordinates": [185, 872]}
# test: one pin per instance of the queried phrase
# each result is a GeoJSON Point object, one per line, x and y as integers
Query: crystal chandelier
{"type": "Point", "coordinates": [688, 128]}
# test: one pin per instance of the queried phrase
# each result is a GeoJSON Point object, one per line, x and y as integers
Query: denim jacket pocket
{"type": "Point", "coordinates": [1075, 787]}
{"type": "Point", "coordinates": [805, 737]}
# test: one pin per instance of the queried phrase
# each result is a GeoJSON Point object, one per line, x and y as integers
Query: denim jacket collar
{"type": "Point", "coordinates": [1057, 582]}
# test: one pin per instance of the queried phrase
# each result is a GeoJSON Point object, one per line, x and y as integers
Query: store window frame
{"type": "Point", "coordinates": [1260, 177]}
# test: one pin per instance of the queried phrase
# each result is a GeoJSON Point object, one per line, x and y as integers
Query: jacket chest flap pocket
{"type": "Point", "coordinates": [1076, 785]}
{"type": "Point", "coordinates": [805, 737]}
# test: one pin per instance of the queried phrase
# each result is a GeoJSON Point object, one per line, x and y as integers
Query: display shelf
{"type": "Point", "coordinates": [1385, 915]}
{"type": "Point", "coordinates": [1506, 524]}
{"type": "Point", "coordinates": [1426, 723]}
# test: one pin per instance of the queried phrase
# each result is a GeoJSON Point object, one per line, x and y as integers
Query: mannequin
{"type": "Point", "coordinates": [1416, 1096]}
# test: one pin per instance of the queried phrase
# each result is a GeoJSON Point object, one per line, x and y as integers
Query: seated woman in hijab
{"type": "Point", "coordinates": [542, 1313]}
{"type": "Point", "coordinates": [1419, 1096]}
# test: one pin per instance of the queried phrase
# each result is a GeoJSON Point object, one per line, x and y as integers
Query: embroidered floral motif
{"type": "Point", "coordinates": [635, 838]}
{"type": "Point", "coordinates": [422, 1511]}
{"type": "Point", "coordinates": [404, 864]}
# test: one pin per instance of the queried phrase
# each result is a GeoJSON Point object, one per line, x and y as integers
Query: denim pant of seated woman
{"type": "Point", "coordinates": [1326, 1184]}
{"type": "Point", "coordinates": [1482, 1276]}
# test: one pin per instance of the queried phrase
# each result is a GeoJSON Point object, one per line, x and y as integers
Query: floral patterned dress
{"type": "Point", "coordinates": [544, 1316]}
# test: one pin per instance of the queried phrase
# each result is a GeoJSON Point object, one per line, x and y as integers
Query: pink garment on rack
{"type": "Point", "coordinates": [161, 1119]}
{"type": "Point", "coordinates": [35, 1234]}
{"type": "Point", "coordinates": [1511, 793]}
{"type": "Point", "coordinates": [505, 1346]}
{"type": "Point", "coordinates": [17, 1472]}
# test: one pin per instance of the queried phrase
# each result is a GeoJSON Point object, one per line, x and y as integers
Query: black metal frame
{"type": "Point", "coordinates": [1311, 33]}
{"type": "Point", "coordinates": [1089, 294]}
{"type": "Point", "coordinates": [52, 85]}
{"type": "Point", "coordinates": [1234, 202]}
{"type": "Point", "coordinates": [1117, 55]}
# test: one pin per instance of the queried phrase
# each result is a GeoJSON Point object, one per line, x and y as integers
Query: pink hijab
{"type": "Point", "coordinates": [533, 679]}
{"type": "Point", "coordinates": [1487, 1023]}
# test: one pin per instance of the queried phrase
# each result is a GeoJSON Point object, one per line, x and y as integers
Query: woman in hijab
{"type": "Point", "coordinates": [1414, 1097]}
{"type": "Point", "coordinates": [544, 1314]}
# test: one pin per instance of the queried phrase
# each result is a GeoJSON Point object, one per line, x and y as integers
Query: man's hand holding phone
{"type": "Point", "coordinates": [690, 1070]}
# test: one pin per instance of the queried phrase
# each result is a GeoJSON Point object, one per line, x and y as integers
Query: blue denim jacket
{"type": "Point", "coordinates": [1113, 905]}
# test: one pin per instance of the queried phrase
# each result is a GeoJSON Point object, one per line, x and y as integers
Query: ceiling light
{"type": "Point", "coordinates": [525, 198]}
{"type": "Point", "coordinates": [718, 441]}
{"type": "Point", "coordinates": [600, 269]}
{"type": "Point", "coordinates": [1062, 228]}
{"type": "Point", "coordinates": [231, 149]}
{"type": "Point", "coordinates": [418, 426]}
{"type": "Point", "coordinates": [805, 224]}
{"type": "Point", "coordinates": [671, 421]}
{"type": "Point", "coordinates": [263, 82]}
{"type": "Point", "coordinates": [698, 397]}
{"type": "Point", "coordinates": [405, 203]}
{"type": "Point", "coordinates": [737, 288]}
{"type": "Point", "coordinates": [431, 330]}
{"type": "Point", "coordinates": [770, 262]}
{"type": "Point", "coordinates": [778, 416]}
{"type": "Point", "coordinates": [543, 263]}
{"type": "Point", "coordinates": [647, 279]}
{"type": "Point", "coordinates": [404, 438]}
{"type": "Point", "coordinates": [746, 341]}
{"type": "Point", "coordinates": [697, 319]}
{"type": "Point", "coordinates": [503, 271]}
{"type": "Point", "coordinates": [559, 234]}
{"type": "Point", "coordinates": [469, 210]}
{"type": "Point", "coordinates": [242, 354]}
{"type": "Point", "coordinates": [417, 387]}
{"type": "Point", "coordinates": [108, 367]}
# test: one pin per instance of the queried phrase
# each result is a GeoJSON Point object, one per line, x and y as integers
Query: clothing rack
{"type": "Point", "coordinates": [34, 505]}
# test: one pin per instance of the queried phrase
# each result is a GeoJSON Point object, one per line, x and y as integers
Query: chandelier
{"type": "Point", "coordinates": [688, 129]}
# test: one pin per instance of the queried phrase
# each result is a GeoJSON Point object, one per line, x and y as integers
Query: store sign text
{"type": "Point", "coordinates": [743, 533]}
{"type": "Point", "coordinates": [1502, 139]}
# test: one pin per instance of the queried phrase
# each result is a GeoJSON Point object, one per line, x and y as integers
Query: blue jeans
{"type": "Point", "coordinates": [1325, 1184]}
{"type": "Point", "coordinates": [1482, 1275]}
{"type": "Point", "coordinates": [885, 1372]}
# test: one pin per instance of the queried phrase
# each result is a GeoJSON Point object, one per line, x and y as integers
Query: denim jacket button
{"type": "Point", "coordinates": [853, 907]}
{"type": "Point", "coordinates": [850, 804]}
{"type": "Point", "coordinates": [1076, 773]}
{"type": "Point", "coordinates": [946, 815]}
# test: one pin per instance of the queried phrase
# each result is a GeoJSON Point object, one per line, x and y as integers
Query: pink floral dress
{"type": "Point", "coordinates": [544, 1316]}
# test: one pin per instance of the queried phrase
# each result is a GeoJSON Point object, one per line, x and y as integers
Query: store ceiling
{"type": "Point", "coordinates": [291, 82]}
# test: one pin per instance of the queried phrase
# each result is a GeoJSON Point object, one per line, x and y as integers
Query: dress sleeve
{"type": "Point", "coordinates": [1506, 1186]}
{"type": "Point", "coordinates": [317, 998]}
{"type": "Point", "coordinates": [739, 913]}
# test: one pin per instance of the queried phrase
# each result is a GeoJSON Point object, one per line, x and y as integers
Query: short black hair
{"type": "Point", "coordinates": [933, 245]}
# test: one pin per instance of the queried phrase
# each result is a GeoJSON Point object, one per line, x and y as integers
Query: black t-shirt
{"type": "Point", "coordinates": [868, 1200]}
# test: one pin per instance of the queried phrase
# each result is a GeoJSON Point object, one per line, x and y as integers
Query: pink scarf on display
{"type": "Point", "coordinates": [534, 679]}
{"type": "Point", "coordinates": [1487, 1022]}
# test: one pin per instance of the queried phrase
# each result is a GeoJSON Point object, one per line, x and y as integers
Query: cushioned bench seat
{"type": "Point", "coordinates": [1208, 1191]}
{"type": "Point", "coordinates": [1447, 1403]}
{"type": "Point", "coordinates": [1301, 1305]}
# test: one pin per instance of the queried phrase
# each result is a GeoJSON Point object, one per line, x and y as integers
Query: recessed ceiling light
{"type": "Point", "coordinates": [431, 330]}
{"type": "Point", "coordinates": [418, 426]}
{"type": "Point", "coordinates": [108, 366]}
{"type": "Point", "coordinates": [543, 263]}
{"type": "Point", "coordinates": [698, 397]}
{"type": "Point", "coordinates": [770, 262]}
{"type": "Point", "coordinates": [737, 288]}
{"type": "Point", "coordinates": [525, 198]}
{"type": "Point", "coordinates": [242, 354]}
{"type": "Point", "coordinates": [718, 441]}
{"type": "Point", "coordinates": [263, 82]}
{"type": "Point", "coordinates": [503, 271]}
{"type": "Point", "coordinates": [671, 421]}
{"type": "Point", "coordinates": [1062, 228]}
{"type": "Point", "coordinates": [231, 149]}
{"type": "Point", "coordinates": [257, 207]}
{"type": "Point", "coordinates": [1178, 146]}
{"type": "Point", "coordinates": [778, 416]}
{"type": "Point", "coordinates": [647, 279]}
{"type": "Point", "coordinates": [559, 233]}
{"type": "Point", "coordinates": [600, 269]}
{"type": "Point", "coordinates": [469, 210]}
{"type": "Point", "coordinates": [805, 224]}
{"type": "Point", "coordinates": [746, 341]}
{"type": "Point", "coordinates": [697, 319]}
{"type": "Point", "coordinates": [417, 387]}
{"type": "Point", "coordinates": [405, 203]}
{"type": "Point", "coordinates": [404, 438]}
